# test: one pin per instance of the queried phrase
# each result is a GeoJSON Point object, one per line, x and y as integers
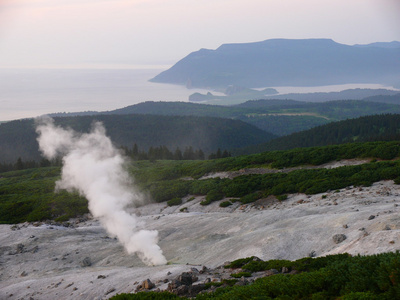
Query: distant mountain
{"type": "Point", "coordinates": [390, 99]}
{"type": "Point", "coordinates": [285, 62]}
{"type": "Point", "coordinates": [18, 138]}
{"type": "Point", "coordinates": [280, 117]}
{"type": "Point", "coordinates": [364, 129]}
{"type": "Point", "coordinates": [392, 45]}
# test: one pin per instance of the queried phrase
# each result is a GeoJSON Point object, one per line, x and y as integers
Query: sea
{"type": "Point", "coordinates": [32, 92]}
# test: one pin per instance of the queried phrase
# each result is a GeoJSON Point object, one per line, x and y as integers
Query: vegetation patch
{"type": "Point", "coordinates": [225, 203]}
{"type": "Point", "coordinates": [282, 197]}
{"type": "Point", "coordinates": [340, 276]}
{"type": "Point", "coordinates": [174, 201]}
{"type": "Point", "coordinates": [241, 274]}
{"type": "Point", "coordinates": [28, 195]}
{"type": "Point", "coordinates": [250, 188]}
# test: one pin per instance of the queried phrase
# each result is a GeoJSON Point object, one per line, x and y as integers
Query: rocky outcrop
{"type": "Point", "coordinates": [194, 282]}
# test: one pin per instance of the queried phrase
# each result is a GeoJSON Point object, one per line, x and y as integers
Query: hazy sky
{"type": "Point", "coordinates": [61, 32]}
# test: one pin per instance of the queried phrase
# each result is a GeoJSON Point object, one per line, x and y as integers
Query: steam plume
{"type": "Point", "coordinates": [94, 167]}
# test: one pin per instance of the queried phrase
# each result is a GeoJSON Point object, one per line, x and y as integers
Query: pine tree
{"type": "Point", "coordinates": [178, 154]}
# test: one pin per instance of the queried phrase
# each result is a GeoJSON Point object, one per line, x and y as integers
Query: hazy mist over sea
{"type": "Point", "coordinates": [28, 93]}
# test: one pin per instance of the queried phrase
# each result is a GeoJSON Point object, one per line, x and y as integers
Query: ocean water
{"type": "Point", "coordinates": [27, 93]}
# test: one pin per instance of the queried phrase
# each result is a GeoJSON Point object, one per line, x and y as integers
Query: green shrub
{"type": "Point", "coordinates": [360, 296]}
{"type": "Point", "coordinates": [205, 202]}
{"type": "Point", "coordinates": [214, 195]}
{"type": "Point", "coordinates": [230, 282]}
{"type": "Point", "coordinates": [225, 204]}
{"type": "Point", "coordinates": [332, 277]}
{"type": "Point", "coordinates": [165, 190]}
{"type": "Point", "coordinates": [281, 197]}
{"type": "Point", "coordinates": [251, 197]}
{"type": "Point", "coordinates": [241, 274]}
{"type": "Point", "coordinates": [210, 284]}
{"type": "Point", "coordinates": [28, 195]}
{"type": "Point", "coordinates": [174, 201]}
{"type": "Point", "coordinates": [257, 266]}
{"type": "Point", "coordinates": [238, 263]}
{"type": "Point", "coordinates": [146, 296]}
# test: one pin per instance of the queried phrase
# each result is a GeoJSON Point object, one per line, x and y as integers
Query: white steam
{"type": "Point", "coordinates": [94, 167]}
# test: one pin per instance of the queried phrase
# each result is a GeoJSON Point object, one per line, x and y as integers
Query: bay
{"type": "Point", "coordinates": [28, 93]}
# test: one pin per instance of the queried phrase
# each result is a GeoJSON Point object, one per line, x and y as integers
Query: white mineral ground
{"type": "Point", "coordinates": [49, 266]}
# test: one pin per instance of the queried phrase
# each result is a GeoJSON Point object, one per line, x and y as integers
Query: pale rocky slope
{"type": "Point", "coordinates": [49, 264]}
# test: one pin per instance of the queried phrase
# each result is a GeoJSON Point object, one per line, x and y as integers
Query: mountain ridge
{"type": "Point", "coordinates": [280, 62]}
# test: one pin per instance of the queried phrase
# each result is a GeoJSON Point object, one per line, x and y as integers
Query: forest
{"type": "Point", "coordinates": [18, 138]}
{"type": "Point", "coordinates": [279, 117]}
{"type": "Point", "coordinates": [251, 127]}
{"type": "Point", "coordinates": [369, 128]}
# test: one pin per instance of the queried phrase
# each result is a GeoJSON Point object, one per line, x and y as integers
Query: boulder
{"type": "Point", "coordinates": [86, 262]}
{"type": "Point", "coordinates": [173, 285]}
{"type": "Point", "coordinates": [148, 285]}
{"type": "Point", "coordinates": [195, 289]}
{"type": "Point", "coordinates": [187, 278]}
{"type": "Point", "coordinates": [181, 290]}
{"type": "Point", "coordinates": [338, 238]}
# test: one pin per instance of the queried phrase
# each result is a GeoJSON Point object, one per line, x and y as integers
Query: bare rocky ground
{"type": "Point", "coordinates": [44, 261]}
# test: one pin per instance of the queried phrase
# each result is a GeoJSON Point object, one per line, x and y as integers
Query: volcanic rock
{"type": "Point", "coordinates": [86, 262]}
{"type": "Point", "coordinates": [148, 285]}
{"type": "Point", "coordinates": [338, 238]}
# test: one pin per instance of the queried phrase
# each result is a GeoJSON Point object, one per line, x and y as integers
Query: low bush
{"type": "Point", "coordinates": [241, 274]}
{"type": "Point", "coordinates": [240, 262]}
{"type": "Point", "coordinates": [225, 204]}
{"type": "Point", "coordinates": [332, 277]}
{"type": "Point", "coordinates": [147, 296]}
{"type": "Point", "coordinates": [214, 195]}
{"type": "Point", "coordinates": [282, 197]}
{"type": "Point", "coordinates": [251, 197]}
{"type": "Point", "coordinates": [28, 195]}
{"type": "Point", "coordinates": [174, 201]}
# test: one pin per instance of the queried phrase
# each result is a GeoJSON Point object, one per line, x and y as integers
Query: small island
{"type": "Point", "coordinates": [233, 95]}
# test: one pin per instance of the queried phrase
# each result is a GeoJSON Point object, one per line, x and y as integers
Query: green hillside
{"type": "Point", "coordinates": [28, 195]}
{"type": "Point", "coordinates": [280, 117]}
{"type": "Point", "coordinates": [18, 138]}
{"type": "Point", "coordinates": [369, 128]}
